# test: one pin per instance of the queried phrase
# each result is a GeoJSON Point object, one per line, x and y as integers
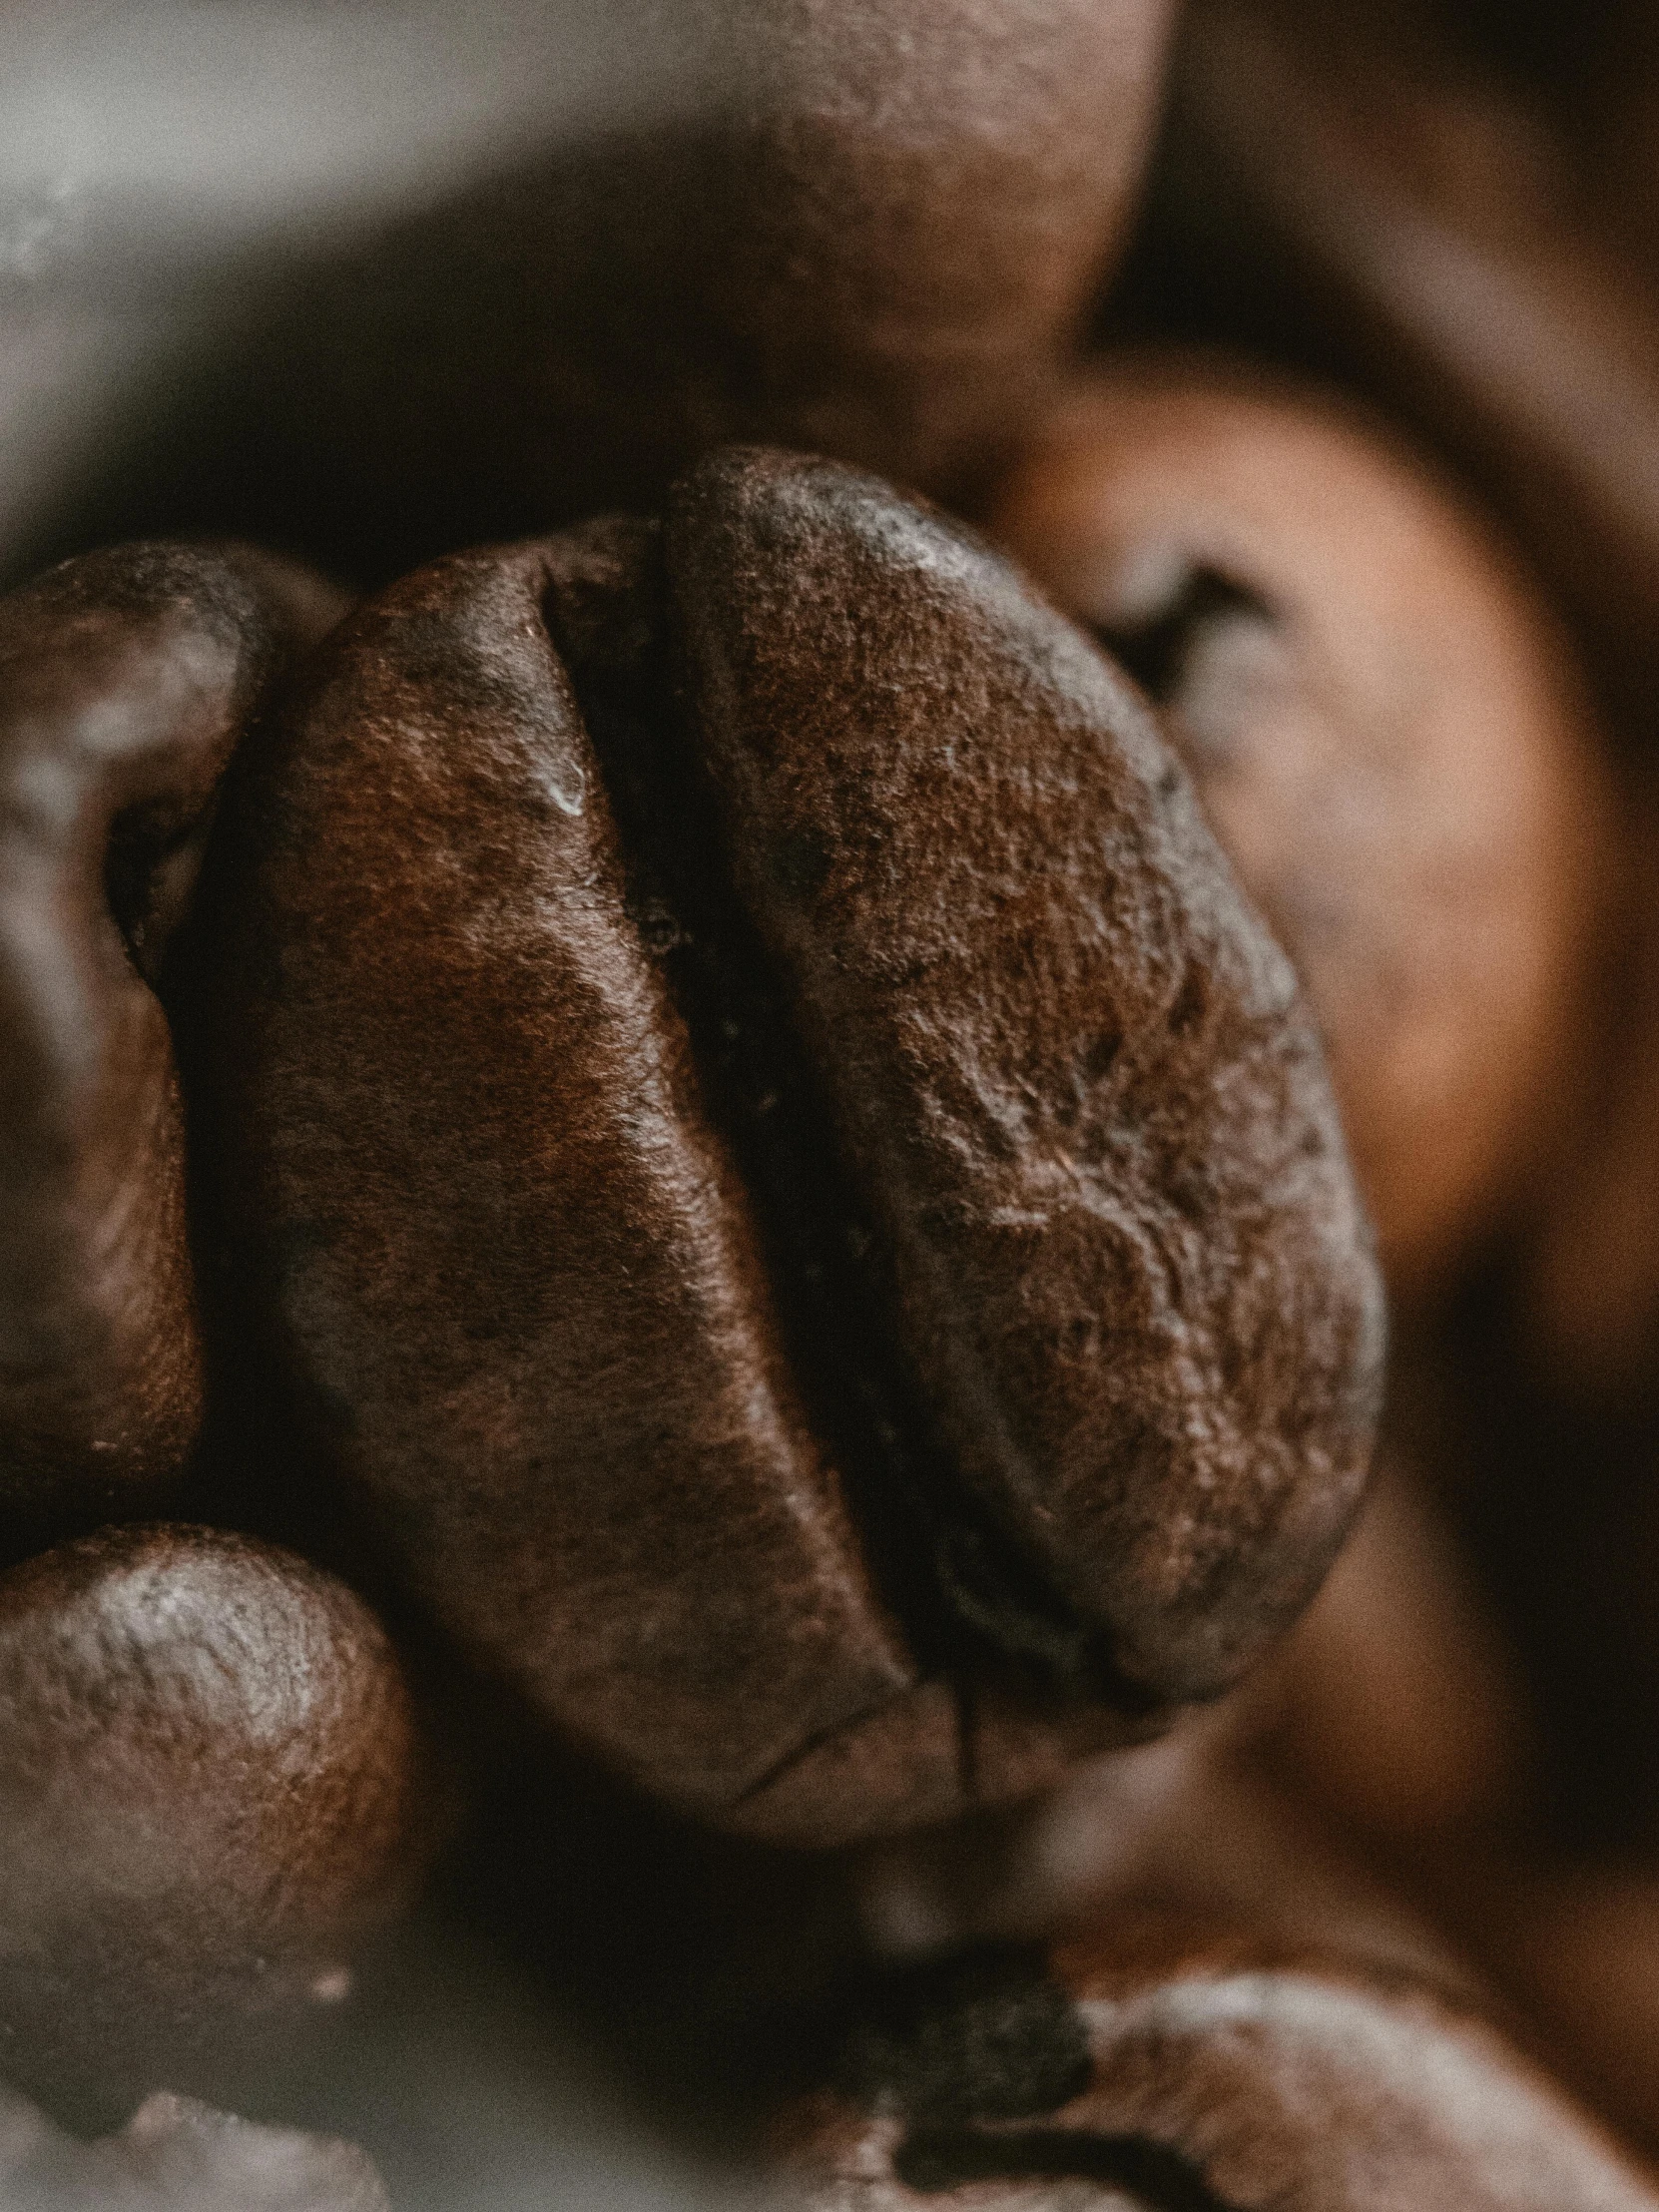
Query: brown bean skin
{"type": "Point", "coordinates": [207, 1797]}
{"type": "Point", "coordinates": [124, 681]}
{"type": "Point", "coordinates": [1388, 734]}
{"type": "Point", "coordinates": [1340, 181]}
{"type": "Point", "coordinates": [540, 1118]}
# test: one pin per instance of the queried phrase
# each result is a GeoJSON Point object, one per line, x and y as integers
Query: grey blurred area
{"type": "Point", "coordinates": [471, 2092]}
{"type": "Point", "coordinates": [443, 2084]}
{"type": "Point", "coordinates": [164, 165]}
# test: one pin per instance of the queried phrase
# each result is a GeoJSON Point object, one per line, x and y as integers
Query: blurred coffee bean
{"type": "Point", "coordinates": [1341, 185]}
{"type": "Point", "coordinates": [125, 680]}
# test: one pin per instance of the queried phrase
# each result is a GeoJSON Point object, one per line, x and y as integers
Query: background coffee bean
{"type": "Point", "coordinates": [1342, 186]}
{"type": "Point", "coordinates": [207, 1797]}
{"type": "Point", "coordinates": [126, 678]}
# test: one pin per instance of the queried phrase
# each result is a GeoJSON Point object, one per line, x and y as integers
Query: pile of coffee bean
{"type": "Point", "coordinates": [856, 1248]}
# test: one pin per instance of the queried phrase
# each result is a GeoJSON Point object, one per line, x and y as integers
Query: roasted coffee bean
{"type": "Point", "coordinates": [124, 679]}
{"type": "Point", "coordinates": [1341, 185]}
{"type": "Point", "coordinates": [769, 1147]}
{"type": "Point", "coordinates": [1157, 2064]}
{"type": "Point", "coordinates": [176, 2155]}
{"type": "Point", "coordinates": [207, 1795]}
{"type": "Point", "coordinates": [1389, 735]}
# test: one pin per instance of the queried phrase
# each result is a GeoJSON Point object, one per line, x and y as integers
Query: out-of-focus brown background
{"type": "Point", "coordinates": [297, 269]}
